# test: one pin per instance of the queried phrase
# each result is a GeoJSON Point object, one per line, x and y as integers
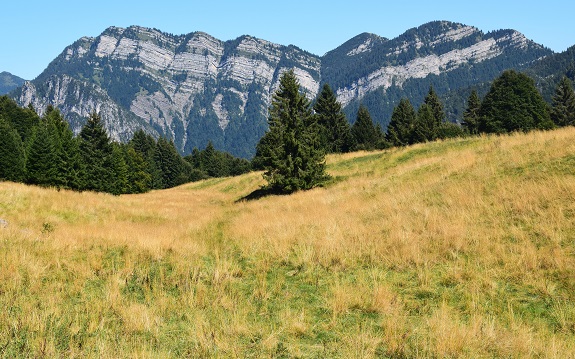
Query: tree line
{"type": "Point", "coordinates": [292, 152]}
{"type": "Point", "coordinates": [44, 151]}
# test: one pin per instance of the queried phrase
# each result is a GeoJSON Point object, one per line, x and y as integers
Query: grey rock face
{"type": "Point", "coordinates": [195, 88]}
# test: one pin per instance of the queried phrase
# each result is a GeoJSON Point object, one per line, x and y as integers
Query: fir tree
{"type": "Point", "coordinates": [96, 153]}
{"type": "Point", "coordinates": [471, 114]}
{"type": "Point", "coordinates": [563, 110]}
{"type": "Point", "coordinates": [432, 100]}
{"type": "Point", "coordinates": [335, 134]}
{"type": "Point", "coordinates": [42, 159]}
{"type": "Point", "coordinates": [513, 104]}
{"type": "Point", "coordinates": [401, 125]}
{"type": "Point", "coordinates": [169, 163]}
{"type": "Point", "coordinates": [139, 179]}
{"type": "Point", "coordinates": [426, 127]}
{"type": "Point", "coordinates": [67, 151]}
{"type": "Point", "coordinates": [12, 153]}
{"type": "Point", "coordinates": [145, 145]}
{"type": "Point", "coordinates": [290, 151]}
{"type": "Point", "coordinates": [365, 134]}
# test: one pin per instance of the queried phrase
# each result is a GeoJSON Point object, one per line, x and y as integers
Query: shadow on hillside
{"type": "Point", "coordinates": [261, 193]}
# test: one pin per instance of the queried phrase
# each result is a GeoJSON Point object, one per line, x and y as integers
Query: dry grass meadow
{"type": "Point", "coordinates": [455, 249]}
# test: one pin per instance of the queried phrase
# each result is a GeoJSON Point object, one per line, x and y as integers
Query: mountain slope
{"type": "Point", "coordinates": [194, 88]}
{"type": "Point", "coordinates": [9, 82]}
{"type": "Point", "coordinates": [448, 249]}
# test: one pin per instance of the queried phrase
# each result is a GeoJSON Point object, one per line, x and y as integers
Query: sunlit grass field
{"type": "Point", "coordinates": [462, 248]}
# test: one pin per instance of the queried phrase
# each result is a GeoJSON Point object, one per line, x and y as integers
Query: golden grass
{"type": "Point", "coordinates": [462, 248]}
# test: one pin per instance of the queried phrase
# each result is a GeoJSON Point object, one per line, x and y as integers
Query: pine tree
{"type": "Point", "coordinates": [12, 153]}
{"type": "Point", "coordinates": [335, 133]}
{"type": "Point", "coordinates": [291, 152]}
{"type": "Point", "coordinates": [513, 104]}
{"type": "Point", "coordinates": [471, 114]}
{"type": "Point", "coordinates": [365, 134]}
{"type": "Point", "coordinates": [401, 126]}
{"type": "Point", "coordinates": [96, 153]}
{"type": "Point", "coordinates": [563, 110]}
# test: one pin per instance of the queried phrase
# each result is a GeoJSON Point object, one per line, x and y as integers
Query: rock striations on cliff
{"type": "Point", "coordinates": [195, 88]}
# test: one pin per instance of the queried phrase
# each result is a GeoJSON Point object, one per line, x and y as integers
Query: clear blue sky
{"type": "Point", "coordinates": [34, 32]}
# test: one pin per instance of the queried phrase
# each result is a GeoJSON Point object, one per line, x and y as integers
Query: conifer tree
{"type": "Point", "coordinates": [139, 179]}
{"type": "Point", "coordinates": [335, 133]}
{"type": "Point", "coordinates": [12, 153]}
{"type": "Point", "coordinates": [169, 163]}
{"type": "Point", "coordinates": [402, 123]}
{"type": "Point", "coordinates": [471, 114]}
{"type": "Point", "coordinates": [96, 153]}
{"type": "Point", "coordinates": [68, 162]}
{"type": "Point", "coordinates": [432, 100]}
{"type": "Point", "coordinates": [563, 109]}
{"type": "Point", "coordinates": [290, 152]}
{"type": "Point", "coordinates": [426, 126]}
{"type": "Point", "coordinates": [513, 103]}
{"type": "Point", "coordinates": [145, 145]}
{"type": "Point", "coordinates": [365, 134]}
{"type": "Point", "coordinates": [42, 159]}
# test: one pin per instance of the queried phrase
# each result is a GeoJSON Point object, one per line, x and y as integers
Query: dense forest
{"type": "Point", "coordinates": [44, 151]}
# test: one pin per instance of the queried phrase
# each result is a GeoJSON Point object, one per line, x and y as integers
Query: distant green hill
{"type": "Point", "coordinates": [9, 82]}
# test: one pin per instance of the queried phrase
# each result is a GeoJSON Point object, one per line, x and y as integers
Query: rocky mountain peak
{"type": "Point", "coordinates": [194, 88]}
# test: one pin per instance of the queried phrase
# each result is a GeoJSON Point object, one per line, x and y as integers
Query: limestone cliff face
{"type": "Point", "coordinates": [195, 88]}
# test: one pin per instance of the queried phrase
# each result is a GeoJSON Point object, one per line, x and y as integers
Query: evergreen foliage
{"type": "Point", "coordinates": [402, 124]}
{"type": "Point", "coordinates": [471, 114]}
{"type": "Point", "coordinates": [366, 134]}
{"type": "Point", "coordinates": [513, 103]}
{"type": "Point", "coordinates": [96, 153]}
{"type": "Point", "coordinates": [41, 165]}
{"type": "Point", "coordinates": [563, 108]}
{"type": "Point", "coordinates": [12, 153]}
{"type": "Point", "coordinates": [426, 126]}
{"type": "Point", "coordinates": [433, 101]}
{"type": "Point", "coordinates": [92, 161]}
{"type": "Point", "coordinates": [290, 152]}
{"type": "Point", "coordinates": [335, 132]}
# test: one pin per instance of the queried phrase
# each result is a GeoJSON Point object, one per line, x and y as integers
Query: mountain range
{"type": "Point", "coordinates": [195, 88]}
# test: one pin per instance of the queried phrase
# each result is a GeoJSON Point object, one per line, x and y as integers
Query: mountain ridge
{"type": "Point", "coordinates": [9, 82]}
{"type": "Point", "coordinates": [194, 88]}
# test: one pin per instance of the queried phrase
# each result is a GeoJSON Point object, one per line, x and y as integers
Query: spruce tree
{"type": "Point", "coordinates": [365, 134]}
{"type": "Point", "coordinates": [96, 153]}
{"type": "Point", "coordinates": [426, 127]}
{"type": "Point", "coordinates": [335, 134]}
{"type": "Point", "coordinates": [42, 159]}
{"type": "Point", "coordinates": [290, 152]}
{"type": "Point", "coordinates": [471, 114]}
{"type": "Point", "coordinates": [139, 179]}
{"type": "Point", "coordinates": [513, 103]}
{"type": "Point", "coordinates": [432, 100]}
{"type": "Point", "coordinates": [68, 162]}
{"type": "Point", "coordinates": [170, 164]}
{"type": "Point", "coordinates": [563, 109]}
{"type": "Point", "coordinates": [401, 126]}
{"type": "Point", "coordinates": [12, 153]}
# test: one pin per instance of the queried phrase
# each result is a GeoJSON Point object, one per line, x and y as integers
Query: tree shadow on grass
{"type": "Point", "coordinates": [261, 193]}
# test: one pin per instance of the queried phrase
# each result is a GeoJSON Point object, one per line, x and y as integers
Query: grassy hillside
{"type": "Point", "coordinates": [463, 248]}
